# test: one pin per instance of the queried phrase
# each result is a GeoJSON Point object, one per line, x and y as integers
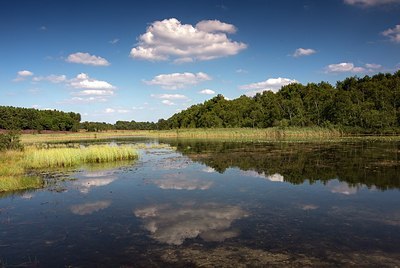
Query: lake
{"type": "Point", "coordinates": [211, 203]}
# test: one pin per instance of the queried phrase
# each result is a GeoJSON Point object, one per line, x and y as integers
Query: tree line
{"type": "Point", "coordinates": [368, 104]}
{"type": "Point", "coordinates": [360, 105]}
{"type": "Point", "coordinates": [15, 118]}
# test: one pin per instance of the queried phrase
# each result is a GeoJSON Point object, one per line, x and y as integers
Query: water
{"type": "Point", "coordinates": [215, 204]}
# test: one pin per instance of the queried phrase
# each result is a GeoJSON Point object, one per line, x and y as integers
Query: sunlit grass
{"type": "Point", "coordinates": [69, 157]}
{"type": "Point", "coordinates": [10, 183]}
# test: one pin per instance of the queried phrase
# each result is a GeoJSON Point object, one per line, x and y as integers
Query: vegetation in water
{"type": "Point", "coordinates": [68, 157]}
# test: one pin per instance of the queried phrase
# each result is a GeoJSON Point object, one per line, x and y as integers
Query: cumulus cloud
{"type": "Point", "coordinates": [22, 75]}
{"type": "Point", "coordinates": [344, 67]}
{"type": "Point", "coordinates": [370, 3]}
{"type": "Point", "coordinates": [393, 34]}
{"type": "Point", "coordinates": [169, 96]}
{"type": "Point", "coordinates": [207, 92]}
{"type": "Point", "coordinates": [271, 84]}
{"type": "Point", "coordinates": [50, 78]}
{"type": "Point", "coordinates": [303, 52]}
{"type": "Point", "coordinates": [214, 26]}
{"type": "Point", "coordinates": [118, 111]}
{"type": "Point", "coordinates": [170, 38]}
{"type": "Point", "coordinates": [167, 102]}
{"type": "Point", "coordinates": [83, 81]}
{"type": "Point", "coordinates": [212, 222]}
{"type": "Point", "coordinates": [95, 92]}
{"type": "Point", "coordinates": [86, 58]}
{"type": "Point", "coordinates": [89, 208]}
{"type": "Point", "coordinates": [178, 80]}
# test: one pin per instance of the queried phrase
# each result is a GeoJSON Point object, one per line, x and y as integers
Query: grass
{"type": "Point", "coordinates": [69, 157]}
{"type": "Point", "coordinates": [15, 164]}
{"type": "Point", "coordinates": [19, 183]}
{"type": "Point", "coordinates": [12, 173]}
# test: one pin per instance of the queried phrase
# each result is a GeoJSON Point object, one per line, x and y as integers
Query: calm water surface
{"type": "Point", "coordinates": [215, 204]}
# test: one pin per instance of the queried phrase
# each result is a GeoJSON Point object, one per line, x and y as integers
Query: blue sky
{"type": "Point", "coordinates": [124, 60]}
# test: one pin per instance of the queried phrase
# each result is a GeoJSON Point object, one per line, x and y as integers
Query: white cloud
{"type": "Point", "coordinates": [393, 33]}
{"type": "Point", "coordinates": [344, 67]}
{"type": "Point", "coordinates": [212, 222]}
{"type": "Point", "coordinates": [178, 80]}
{"type": "Point", "coordinates": [241, 71]}
{"type": "Point", "coordinates": [94, 92]}
{"type": "Point", "coordinates": [79, 100]}
{"type": "Point", "coordinates": [271, 84]}
{"type": "Point", "coordinates": [214, 26]}
{"type": "Point", "coordinates": [167, 102]}
{"type": "Point", "coordinates": [22, 75]}
{"type": "Point", "coordinates": [185, 43]}
{"type": "Point", "coordinates": [369, 3]}
{"type": "Point", "coordinates": [169, 96]}
{"type": "Point", "coordinates": [373, 66]}
{"type": "Point", "coordinates": [86, 58]}
{"type": "Point", "coordinates": [303, 52]}
{"type": "Point", "coordinates": [50, 78]}
{"type": "Point", "coordinates": [114, 41]}
{"type": "Point", "coordinates": [83, 81]}
{"type": "Point", "coordinates": [338, 187]}
{"type": "Point", "coordinates": [274, 177]}
{"type": "Point", "coordinates": [207, 92]}
{"type": "Point", "coordinates": [119, 111]}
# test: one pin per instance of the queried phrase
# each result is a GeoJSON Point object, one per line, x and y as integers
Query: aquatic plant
{"type": "Point", "coordinates": [68, 157]}
{"type": "Point", "coordinates": [19, 183]}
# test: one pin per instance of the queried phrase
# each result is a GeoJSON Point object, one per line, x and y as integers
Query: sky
{"type": "Point", "coordinates": [142, 61]}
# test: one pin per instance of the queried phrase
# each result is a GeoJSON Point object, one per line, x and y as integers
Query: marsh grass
{"type": "Point", "coordinates": [69, 157]}
{"type": "Point", "coordinates": [19, 183]}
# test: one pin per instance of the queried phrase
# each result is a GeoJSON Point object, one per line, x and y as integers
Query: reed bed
{"type": "Point", "coordinates": [19, 183]}
{"type": "Point", "coordinates": [69, 157]}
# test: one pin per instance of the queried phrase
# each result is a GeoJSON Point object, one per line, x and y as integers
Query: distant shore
{"type": "Point", "coordinates": [273, 134]}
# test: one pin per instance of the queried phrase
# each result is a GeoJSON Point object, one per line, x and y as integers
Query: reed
{"type": "Point", "coordinates": [69, 157]}
{"type": "Point", "coordinates": [19, 183]}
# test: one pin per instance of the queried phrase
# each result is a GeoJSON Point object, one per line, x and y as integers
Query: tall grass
{"type": "Point", "coordinates": [19, 183]}
{"type": "Point", "coordinates": [68, 157]}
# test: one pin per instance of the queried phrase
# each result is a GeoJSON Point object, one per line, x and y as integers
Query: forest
{"type": "Point", "coordinates": [360, 105]}
{"type": "Point", "coordinates": [354, 105]}
{"type": "Point", "coordinates": [14, 118]}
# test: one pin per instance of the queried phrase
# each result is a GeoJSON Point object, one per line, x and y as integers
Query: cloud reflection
{"type": "Point", "coordinates": [337, 187]}
{"type": "Point", "coordinates": [89, 208]}
{"type": "Point", "coordinates": [212, 222]}
{"type": "Point", "coordinates": [274, 177]}
{"type": "Point", "coordinates": [181, 182]}
{"type": "Point", "coordinates": [94, 179]}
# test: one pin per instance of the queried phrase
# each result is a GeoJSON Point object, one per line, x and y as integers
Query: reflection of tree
{"type": "Point", "coordinates": [172, 225]}
{"type": "Point", "coordinates": [370, 164]}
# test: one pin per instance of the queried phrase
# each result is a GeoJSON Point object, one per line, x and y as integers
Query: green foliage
{"type": "Point", "coordinates": [366, 105]}
{"type": "Point", "coordinates": [119, 125]}
{"type": "Point", "coordinates": [68, 157]}
{"type": "Point", "coordinates": [10, 141]}
{"type": "Point", "coordinates": [33, 119]}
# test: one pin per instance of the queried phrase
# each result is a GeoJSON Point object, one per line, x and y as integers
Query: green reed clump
{"type": "Point", "coordinates": [68, 157]}
{"type": "Point", "coordinates": [20, 183]}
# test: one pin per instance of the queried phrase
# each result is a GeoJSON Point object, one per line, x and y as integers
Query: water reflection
{"type": "Point", "coordinates": [89, 208]}
{"type": "Point", "coordinates": [172, 225]}
{"type": "Point", "coordinates": [274, 177]}
{"type": "Point", "coordinates": [358, 163]}
{"type": "Point", "coordinates": [182, 182]}
{"type": "Point", "coordinates": [337, 187]}
{"type": "Point", "coordinates": [94, 179]}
